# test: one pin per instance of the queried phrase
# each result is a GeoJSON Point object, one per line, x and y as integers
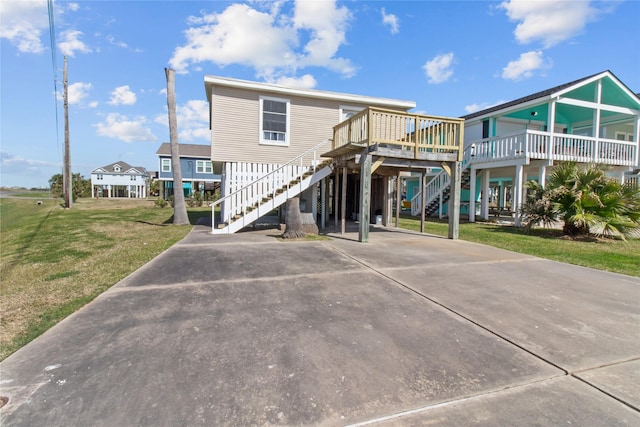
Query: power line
{"type": "Point", "coordinates": [54, 65]}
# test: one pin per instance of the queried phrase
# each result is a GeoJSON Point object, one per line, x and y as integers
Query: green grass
{"type": "Point", "coordinates": [603, 254]}
{"type": "Point", "coordinates": [55, 260]}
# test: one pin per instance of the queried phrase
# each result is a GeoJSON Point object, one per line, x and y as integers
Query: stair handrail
{"type": "Point", "coordinates": [441, 180]}
{"type": "Point", "coordinates": [300, 157]}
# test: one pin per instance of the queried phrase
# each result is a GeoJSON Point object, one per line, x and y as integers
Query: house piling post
{"type": "Point", "coordinates": [365, 196]}
{"type": "Point", "coordinates": [454, 200]}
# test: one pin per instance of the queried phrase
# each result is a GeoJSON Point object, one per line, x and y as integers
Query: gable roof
{"type": "Point", "coordinates": [124, 168]}
{"type": "Point", "coordinates": [547, 93]}
{"type": "Point", "coordinates": [210, 81]}
{"type": "Point", "coordinates": [186, 150]}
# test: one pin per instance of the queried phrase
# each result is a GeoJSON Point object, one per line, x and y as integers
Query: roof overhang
{"type": "Point", "coordinates": [210, 81]}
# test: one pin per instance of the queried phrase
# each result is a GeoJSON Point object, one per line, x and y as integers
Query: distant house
{"type": "Point", "coordinates": [195, 166]}
{"type": "Point", "coordinates": [119, 180]}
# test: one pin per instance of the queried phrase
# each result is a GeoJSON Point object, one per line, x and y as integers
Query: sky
{"type": "Point", "coordinates": [450, 57]}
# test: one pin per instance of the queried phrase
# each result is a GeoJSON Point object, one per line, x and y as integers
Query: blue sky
{"type": "Point", "coordinates": [451, 58]}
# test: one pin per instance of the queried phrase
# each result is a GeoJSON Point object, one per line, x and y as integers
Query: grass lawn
{"type": "Point", "coordinates": [53, 261]}
{"type": "Point", "coordinates": [604, 254]}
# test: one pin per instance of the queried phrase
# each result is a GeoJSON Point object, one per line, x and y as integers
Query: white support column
{"type": "Point", "coordinates": [387, 211]}
{"type": "Point", "coordinates": [92, 196]}
{"type": "Point", "coordinates": [517, 193]}
{"type": "Point", "coordinates": [542, 175]}
{"type": "Point", "coordinates": [472, 195]}
{"type": "Point", "coordinates": [486, 177]}
{"type": "Point", "coordinates": [109, 191]}
{"type": "Point", "coordinates": [636, 138]}
{"type": "Point", "coordinates": [596, 120]}
{"type": "Point", "coordinates": [225, 207]}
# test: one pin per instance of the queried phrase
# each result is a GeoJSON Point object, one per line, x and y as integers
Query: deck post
{"type": "Point", "coordinates": [323, 203]}
{"type": "Point", "coordinates": [517, 190]}
{"type": "Point", "coordinates": [343, 203]}
{"type": "Point", "coordinates": [398, 199]}
{"type": "Point", "coordinates": [472, 194]}
{"type": "Point", "coordinates": [365, 196]}
{"type": "Point", "coordinates": [454, 201]}
{"type": "Point", "coordinates": [387, 213]}
{"type": "Point", "coordinates": [423, 198]}
{"type": "Point", "coordinates": [336, 194]}
{"type": "Point", "coordinates": [486, 178]}
{"type": "Point", "coordinates": [542, 175]}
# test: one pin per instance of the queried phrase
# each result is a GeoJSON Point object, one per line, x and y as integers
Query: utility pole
{"type": "Point", "coordinates": [67, 178]}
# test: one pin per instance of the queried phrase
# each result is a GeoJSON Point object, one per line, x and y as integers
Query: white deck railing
{"type": "Point", "coordinates": [413, 133]}
{"type": "Point", "coordinates": [555, 146]}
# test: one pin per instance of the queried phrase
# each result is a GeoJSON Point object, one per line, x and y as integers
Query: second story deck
{"type": "Point", "coordinates": [538, 145]}
{"type": "Point", "coordinates": [396, 134]}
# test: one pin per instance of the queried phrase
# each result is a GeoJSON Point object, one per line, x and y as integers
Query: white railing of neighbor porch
{"type": "Point", "coordinates": [556, 146]}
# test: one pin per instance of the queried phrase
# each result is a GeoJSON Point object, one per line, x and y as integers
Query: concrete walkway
{"type": "Point", "coordinates": [404, 330]}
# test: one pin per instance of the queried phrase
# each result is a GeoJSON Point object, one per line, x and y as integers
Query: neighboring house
{"type": "Point", "coordinates": [273, 142]}
{"type": "Point", "coordinates": [119, 180]}
{"type": "Point", "coordinates": [195, 166]}
{"type": "Point", "coordinates": [595, 119]}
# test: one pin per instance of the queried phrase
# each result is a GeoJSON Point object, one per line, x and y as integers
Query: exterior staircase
{"type": "Point", "coordinates": [438, 190]}
{"type": "Point", "coordinates": [261, 196]}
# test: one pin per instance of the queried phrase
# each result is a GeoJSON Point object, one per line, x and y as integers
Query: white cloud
{"type": "Point", "coordinates": [438, 69]}
{"type": "Point", "coordinates": [192, 118]}
{"type": "Point", "coordinates": [391, 20]}
{"type": "Point", "coordinates": [18, 171]}
{"type": "Point", "coordinates": [71, 43]}
{"type": "Point", "coordinates": [305, 82]}
{"type": "Point", "coordinates": [269, 41]}
{"type": "Point", "coordinates": [525, 66]}
{"type": "Point", "coordinates": [122, 95]}
{"type": "Point", "coordinates": [472, 108]}
{"type": "Point", "coordinates": [550, 21]}
{"type": "Point", "coordinates": [23, 23]}
{"type": "Point", "coordinates": [76, 92]}
{"type": "Point", "coordinates": [126, 129]}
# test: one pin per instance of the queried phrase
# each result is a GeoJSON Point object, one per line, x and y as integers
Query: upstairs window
{"type": "Point", "coordinates": [204, 166]}
{"type": "Point", "coordinates": [274, 121]}
{"type": "Point", "coordinates": [166, 165]}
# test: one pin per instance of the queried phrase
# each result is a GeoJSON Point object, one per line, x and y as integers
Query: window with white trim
{"type": "Point", "coordinates": [204, 166]}
{"type": "Point", "coordinates": [274, 121]}
{"type": "Point", "coordinates": [166, 165]}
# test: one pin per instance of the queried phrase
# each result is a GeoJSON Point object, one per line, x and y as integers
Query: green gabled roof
{"type": "Point", "coordinates": [615, 93]}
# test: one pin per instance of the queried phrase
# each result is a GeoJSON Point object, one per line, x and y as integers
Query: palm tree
{"type": "Point", "coordinates": [585, 199]}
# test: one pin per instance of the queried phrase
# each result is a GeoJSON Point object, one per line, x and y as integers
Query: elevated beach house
{"type": "Point", "coordinates": [340, 153]}
{"type": "Point", "coordinates": [195, 166]}
{"type": "Point", "coordinates": [119, 179]}
{"type": "Point", "coordinates": [595, 119]}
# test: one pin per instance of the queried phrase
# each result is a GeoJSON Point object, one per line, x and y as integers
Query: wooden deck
{"type": "Point", "coordinates": [400, 135]}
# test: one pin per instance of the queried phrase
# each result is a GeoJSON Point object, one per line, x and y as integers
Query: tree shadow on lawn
{"type": "Point", "coordinates": [195, 218]}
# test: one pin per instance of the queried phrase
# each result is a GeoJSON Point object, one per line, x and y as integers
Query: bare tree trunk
{"type": "Point", "coordinates": [293, 221]}
{"type": "Point", "coordinates": [180, 216]}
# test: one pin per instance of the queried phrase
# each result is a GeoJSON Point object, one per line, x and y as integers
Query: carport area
{"type": "Point", "coordinates": [407, 329]}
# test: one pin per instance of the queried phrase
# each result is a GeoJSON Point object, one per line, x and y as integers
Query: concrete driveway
{"type": "Point", "coordinates": [407, 329]}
